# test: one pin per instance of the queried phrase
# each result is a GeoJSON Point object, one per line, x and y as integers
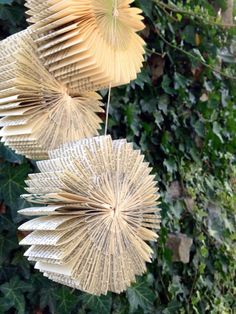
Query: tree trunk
{"type": "Point", "coordinates": [227, 15]}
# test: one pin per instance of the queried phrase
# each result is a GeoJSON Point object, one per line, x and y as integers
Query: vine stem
{"type": "Point", "coordinates": [193, 285]}
{"type": "Point", "coordinates": [189, 55]}
{"type": "Point", "coordinates": [176, 9]}
{"type": "Point", "coordinates": [108, 109]}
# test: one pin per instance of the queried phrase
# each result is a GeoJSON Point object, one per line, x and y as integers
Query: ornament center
{"type": "Point", "coordinates": [114, 211]}
{"type": "Point", "coordinates": [115, 12]}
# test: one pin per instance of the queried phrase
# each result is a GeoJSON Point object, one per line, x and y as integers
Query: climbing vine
{"type": "Point", "coordinates": [181, 113]}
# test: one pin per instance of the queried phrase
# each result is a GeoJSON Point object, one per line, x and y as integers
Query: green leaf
{"type": "Point", "coordinates": [6, 1]}
{"type": "Point", "coordinates": [179, 17]}
{"type": "Point", "coordinates": [9, 155]}
{"type": "Point", "coordinates": [8, 239]}
{"type": "Point", "coordinates": [22, 264]}
{"type": "Point", "coordinates": [140, 295]}
{"type": "Point", "coordinates": [97, 304]}
{"type": "Point", "coordinates": [228, 57]}
{"type": "Point", "coordinates": [132, 118]}
{"type": "Point", "coordinates": [222, 4]}
{"type": "Point", "coordinates": [147, 7]}
{"type": "Point", "coordinates": [158, 118]}
{"type": "Point", "coordinates": [120, 304]}
{"type": "Point", "coordinates": [142, 79]}
{"type": "Point", "coordinates": [7, 225]}
{"type": "Point", "coordinates": [12, 181]}
{"type": "Point", "coordinates": [180, 81]}
{"type": "Point", "coordinates": [189, 34]}
{"type": "Point", "coordinates": [13, 293]}
{"type": "Point", "coordinates": [217, 131]}
{"type": "Point", "coordinates": [166, 82]}
{"type": "Point", "coordinates": [198, 53]}
{"type": "Point", "coordinates": [163, 103]}
{"type": "Point", "coordinates": [4, 305]}
{"type": "Point", "coordinates": [47, 294]}
{"type": "Point", "coordinates": [170, 164]}
{"type": "Point", "coordinates": [66, 300]}
{"type": "Point", "coordinates": [199, 128]}
{"type": "Point", "coordinates": [13, 14]}
{"type": "Point", "coordinates": [7, 244]}
{"type": "Point", "coordinates": [148, 105]}
{"type": "Point", "coordinates": [173, 307]}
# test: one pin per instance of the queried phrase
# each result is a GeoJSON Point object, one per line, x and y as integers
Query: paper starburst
{"type": "Point", "coordinates": [39, 113]}
{"type": "Point", "coordinates": [88, 44]}
{"type": "Point", "coordinates": [102, 208]}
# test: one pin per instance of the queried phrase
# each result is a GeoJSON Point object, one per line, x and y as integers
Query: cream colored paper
{"type": "Point", "coordinates": [39, 113]}
{"type": "Point", "coordinates": [88, 44]}
{"type": "Point", "coordinates": [101, 211]}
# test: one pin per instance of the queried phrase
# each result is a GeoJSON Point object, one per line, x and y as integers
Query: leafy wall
{"type": "Point", "coordinates": [181, 112]}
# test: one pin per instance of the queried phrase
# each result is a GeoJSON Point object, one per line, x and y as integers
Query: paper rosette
{"type": "Point", "coordinates": [101, 209]}
{"type": "Point", "coordinates": [88, 44]}
{"type": "Point", "coordinates": [39, 113]}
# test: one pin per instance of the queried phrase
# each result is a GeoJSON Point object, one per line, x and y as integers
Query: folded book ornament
{"type": "Point", "coordinates": [39, 113]}
{"type": "Point", "coordinates": [88, 43]}
{"type": "Point", "coordinates": [101, 209]}
{"type": "Point", "coordinates": [97, 201]}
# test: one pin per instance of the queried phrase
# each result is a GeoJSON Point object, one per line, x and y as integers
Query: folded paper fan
{"type": "Point", "coordinates": [101, 209]}
{"type": "Point", "coordinates": [88, 44]}
{"type": "Point", "coordinates": [39, 113]}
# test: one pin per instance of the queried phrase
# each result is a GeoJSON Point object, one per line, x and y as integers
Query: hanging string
{"type": "Point", "coordinates": [115, 14]}
{"type": "Point", "coordinates": [107, 110]}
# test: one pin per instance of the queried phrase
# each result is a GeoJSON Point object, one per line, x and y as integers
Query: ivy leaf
{"type": "Point", "coordinates": [222, 4]}
{"type": "Point", "coordinates": [148, 105]}
{"type": "Point", "coordinates": [163, 103]}
{"type": "Point", "coordinates": [166, 82]}
{"type": "Point", "coordinates": [13, 293]}
{"type": "Point", "coordinates": [46, 296]}
{"type": "Point", "coordinates": [198, 53]}
{"type": "Point", "coordinates": [4, 305]}
{"type": "Point", "coordinates": [12, 184]}
{"type": "Point", "coordinates": [6, 1]}
{"type": "Point", "coordinates": [120, 304]}
{"type": "Point", "coordinates": [13, 14]}
{"type": "Point", "coordinates": [147, 7]}
{"type": "Point", "coordinates": [140, 295]}
{"type": "Point", "coordinates": [158, 118]}
{"type": "Point", "coordinates": [6, 224]}
{"type": "Point", "coordinates": [97, 304]}
{"type": "Point", "coordinates": [22, 264]}
{"type": "Point", "coordinates": [7, 244]}
{"type": "Point", "coordinates": [132, 119]}
{"type": "Point", "coordinates": [8, 239]}
{"type": "Point", "coordinates": [189, 34]}
{"type": "Point", "coordinates": [180, 81]}
{"type": "Point", "coordinates": [173, 307]}
{"type": "Point", "coordinates": [170, 165]}
{"type": "Point", "coordinates": [9, 155]}
{"type": "Point", "coordinates": [217, 131]}
{"type": "Point", "coordinates": [66, 300]}
{"type": "Point", "coordinates": [142, 79]}
{"type": "Point", "coordinates": [199, 128]}
{"type": "Point", "coordinates": [227, 56]}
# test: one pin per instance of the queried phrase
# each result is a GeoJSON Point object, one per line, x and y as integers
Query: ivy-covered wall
{"type": "Point", "coordinates": [181, 112]}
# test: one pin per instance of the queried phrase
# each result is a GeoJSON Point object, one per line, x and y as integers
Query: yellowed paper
{"type": "Point", "coordinates": [101, 211]}
{"type": "Point", "coordinates": [39, 113]}
{"type": "Point", "coordinates": [88, 44]}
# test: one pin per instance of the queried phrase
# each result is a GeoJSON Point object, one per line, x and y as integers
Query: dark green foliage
{"type": "Point", "coordinates": [181, 113]}
{"type": "Point", "coordinates": [12, 18]}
